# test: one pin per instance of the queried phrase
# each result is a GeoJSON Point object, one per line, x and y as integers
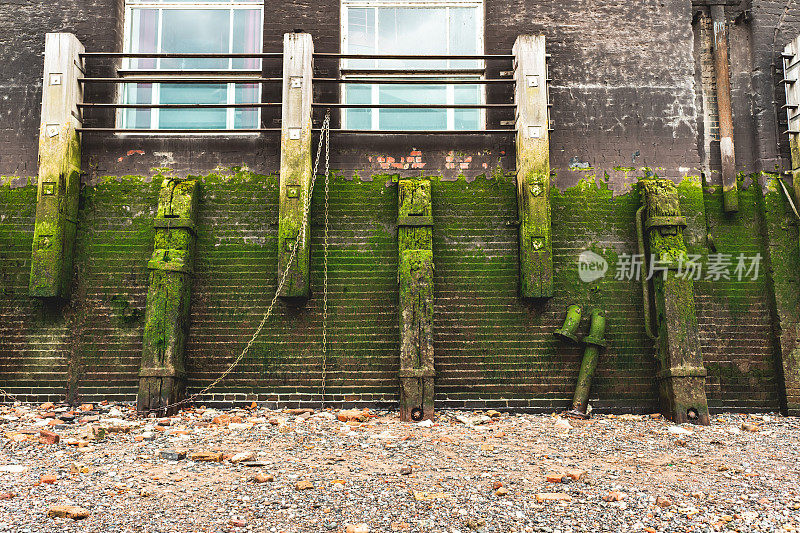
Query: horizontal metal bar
{"type": "Point", "coordinates": [414, 106]}
{"type": "Point", "coordinates": [792, 132]}
{"type": "Point", "coordinates": [178, 79]}
{"type": "Point", "coordinates": [177, 106]}
{"type": "Point", "coordinates": [428, 72]}
{"type": "Point", "coordinates": [413, 57]}
{"type": "Point", "coordinates": [137, 131]}
{"type": "Point", "coordinates": [789, 106]}
{"type": "Point", "coordinates": [395, 81]}
{"type": "Point", "coordinates": [787, 80]}
{"type": "Point", "coordinates": [179, 55]}
{"type": "Point", "coordinates": [184, 72]}
{"type": "Point", "coordinates": [423, 132]}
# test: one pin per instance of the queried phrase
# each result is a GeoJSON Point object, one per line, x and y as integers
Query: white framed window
{"type": "Point", "coordinates": [413, 27]}
{"type": "Point", "coordinates": [183, 26]}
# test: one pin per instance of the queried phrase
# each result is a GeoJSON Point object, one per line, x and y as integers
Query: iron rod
{"type": "Point", "coordinates": [423, 132]}
{"type": "Point", "coordinates": [414, 106]}
{"type": "Point", "coordinates": [177, 106]}
{"type": "Point", "coordinates": [413, 57]}
{"type": "Point", "coordinates": [184, 72]}
{"type": "Point", "coordinates": [137, 131]}
{"type": "Point", "coordinates": [179, 55]}
{"type": "Point", "coordinates": [179, 80]}
{"type": "Point", "coordinates": [427, 72]}
{"type": "Point", "coordinates": [395, 81]}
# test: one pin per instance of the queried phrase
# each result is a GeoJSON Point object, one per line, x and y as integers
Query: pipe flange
{"type": "Point", "coordinates": [564, 334]}
{"type": "Point", "coordinates": [600, 343]}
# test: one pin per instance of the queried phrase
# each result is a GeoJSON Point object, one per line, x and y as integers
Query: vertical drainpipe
{"type": "Point", "coordinates": [730, 192]}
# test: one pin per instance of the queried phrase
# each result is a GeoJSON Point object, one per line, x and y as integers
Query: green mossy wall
{"type": "Point", "coordinates": [492, 348]}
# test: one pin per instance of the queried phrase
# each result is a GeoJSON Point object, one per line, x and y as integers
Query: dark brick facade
{"type": "Point", "coordinates": [625, 96]}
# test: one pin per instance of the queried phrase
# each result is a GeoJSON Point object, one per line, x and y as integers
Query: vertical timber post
{"type": "Point", "coordinates": [415, 247]}
{"type": "Point", "coordinates": [296, 167]}
{"type": "Point", "coordinates": [730, 190]}
{"type": "Point", "coordinates": [162, 373]}
{"type": "Point", "coordinates": [59, 168]}
{"type": "Point", "coordinates": [682, 375]}
{"type": "Point", "coordinates": [533, 167]}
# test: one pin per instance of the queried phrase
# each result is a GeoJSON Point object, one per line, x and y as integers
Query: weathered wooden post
{"type": "Point", "coordinates": [415, 246]}
{"type": "Point", "coordinates": [533, 167]}
{"type": "Point", "coordinates": [162, 374]}
{"type": "Point", "coordinates": [682, 375]}
{"type": "Point", "coordinates": [296, 167]}
{"type": "Point", "coordinates": [59, 168]}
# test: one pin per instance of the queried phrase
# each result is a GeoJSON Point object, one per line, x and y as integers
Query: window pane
{"type": "Point", "coordinates": [247, 34]}
{"type": "Point", "coordinates": [359, 119]}
{"type": "Point", "coordinates": [144, 38]}
{"type": "Point", "coordinates": [464, 35]}
{"type": "Point", "coordinates": [246, 117]}
{"type": "Point", "coordinates": [410, 119]}
{"type": "Point", "coordinates": [138, 93]}
{"type": "Point", "coordinates": [195, 30]}
{"type": "Point", "coordinates": [361, 35]}
{"type": "Point", "coordinates": [467, 119]}
{"type": "Point", "coordinates": [409, 30]}
{"type": "Point", "coordinates": [190, 93]}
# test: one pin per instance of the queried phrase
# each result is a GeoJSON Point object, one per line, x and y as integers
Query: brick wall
{"type": "Point", "coordinates": [624, 97]}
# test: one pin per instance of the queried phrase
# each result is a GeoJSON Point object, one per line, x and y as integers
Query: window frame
{"type": "Point", "coordinates": [228, 72]}
{"type": "Point", "coordinates": [480, 8]}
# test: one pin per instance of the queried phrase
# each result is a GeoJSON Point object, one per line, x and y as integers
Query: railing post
{"type": "Point", "coordinates": [166, 321]}
{"type": "Point", "coordinates": [296, 168]}
{"type": "Point", "coordinates": [59, 169]}
{"type": "Point", "coordinates": [415, 247]}
{"type": "Point", "coordinates": [533, 167]}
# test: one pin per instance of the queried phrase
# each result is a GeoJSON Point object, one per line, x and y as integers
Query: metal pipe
{"type": "Point", "coordinates": [179, 55]}
{"type": "Point", "coordinates": [415, 106]}
{"type": "Point", "coordinates": [423, 132]}
{"type": "Point", "coordinates": [175, 131]}
{"type": "Point", "coordinates": [177, 79]}
{"type": "Point", "coordinates": [415, 81]}
{"type": "Point", "coordinates": [594, 343]}
{"type": "Point", "coordinates": [730, 192]}
{"type": "Point", "coordinates": [412, 57]}
{"type": "Point", "coordinates": [571, 323]}
{"type": "Point", "coordinates": [648, 328]}
{"type": "Point", "coordinates": [176, 106]}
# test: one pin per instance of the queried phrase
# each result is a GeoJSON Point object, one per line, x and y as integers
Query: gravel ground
{"type": "Point", "coordinates": [365, 471]}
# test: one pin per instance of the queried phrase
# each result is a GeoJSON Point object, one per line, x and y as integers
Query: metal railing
{"type": "Point", "coordinates": [360, 76]}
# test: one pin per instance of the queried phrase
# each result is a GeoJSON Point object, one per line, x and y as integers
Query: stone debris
{"type": "Point", "coordinates": [304, 484]}
{"type": "Point", "coordinates": [68, 511]}
{"type": "Point", "coordinates": [256, 469]}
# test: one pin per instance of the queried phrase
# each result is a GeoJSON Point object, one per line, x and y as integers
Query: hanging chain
{"type": "Point", "coordinates": [301, 239]}
{"type": "Point", "coordinates": [326, 132]}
